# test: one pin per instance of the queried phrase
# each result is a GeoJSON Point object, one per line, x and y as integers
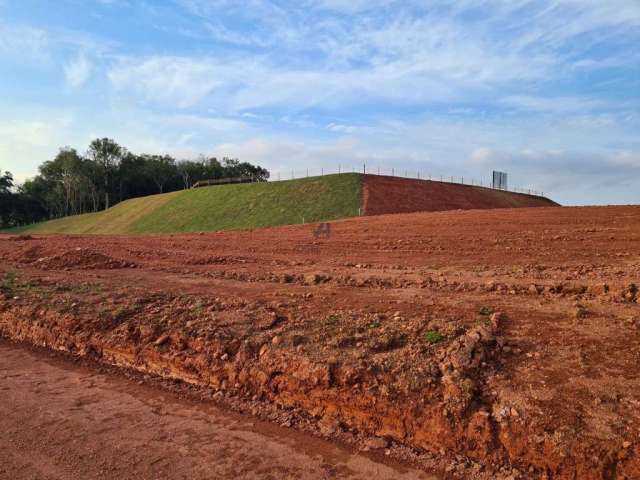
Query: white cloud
{"type": "Point", "coordinates": [626, 158]}
{"type": "Point", "coordinates": [174, 80]}
{"type": "Point", "coordinates": [457, 88]}
{"type": "Point", "coordinates": [358, 52]}
{"type": "Point", "coordinates": [24, 43]}
{"type": "Point", "coordinates": [28, 140]}
{"type": "Point", "coordinates": [555, 104]}
{"type": "Point", "coordinates": [77, 71]}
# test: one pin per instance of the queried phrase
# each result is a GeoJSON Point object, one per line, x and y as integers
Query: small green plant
{"type": "Point", "coordinates": [374, 324]}
{"type": "Point", "coordinates": [486, 311]}
{"type": "Point", "coordinates": [8, 282]}
{"type": "Point", "coordinates": [433, 337]}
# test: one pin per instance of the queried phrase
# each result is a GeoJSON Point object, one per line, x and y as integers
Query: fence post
{"type": "Point", "coordinates": [364, 168]}
{"type": "Point", "coordinates": [339, 169]}
{"type": "Point", "coordinates": [322, 171]}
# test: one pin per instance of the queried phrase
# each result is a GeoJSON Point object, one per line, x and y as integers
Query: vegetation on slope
{"type": "Point", "coordinates": [221, 207]}
{"type": "Point", "coordinates": [73, 183]}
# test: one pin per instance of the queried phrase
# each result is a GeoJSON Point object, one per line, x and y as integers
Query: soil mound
{"type": "Point", "coordinates": [81, 258]}
{"type": "Point", "coordinates": [382, 194]}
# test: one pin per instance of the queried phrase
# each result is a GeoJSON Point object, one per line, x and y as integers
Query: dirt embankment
{"type": "Point", "coordinates": [382, 195]}
{"type": "Point", "coordinates": [64, 421]}
{"type": "Point", "coordinates": [505, 341]}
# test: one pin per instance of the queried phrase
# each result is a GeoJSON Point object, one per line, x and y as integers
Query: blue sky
{"type": "Point", "coordinates": [547, 90]}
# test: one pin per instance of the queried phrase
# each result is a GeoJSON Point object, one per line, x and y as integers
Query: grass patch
{"type": "Point", "coordinates": [485, 311]}
{"type": "Point", "coordinates": [8, 281]}
{"type": "Point", "coordinates": [223, 207]}
{"type": "Point", "coordinates": [256, 205]}
{"type": "Point", "coordinates": [433, 337]}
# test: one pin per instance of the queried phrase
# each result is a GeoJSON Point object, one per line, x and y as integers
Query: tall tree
{"type": "Point", "coordinates": [106, 154]}
{"type": "Point", "coordinates": [161, 169]}
{"type": "Point", "coordinates": [71, 183]}
{"type": "Point", "coordinates": [6, 197]}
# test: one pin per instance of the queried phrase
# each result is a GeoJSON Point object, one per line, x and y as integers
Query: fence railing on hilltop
{"type": "Point", "coordinates": [397, 172]}
{"type": "Point", "coordinates": [223, 181]}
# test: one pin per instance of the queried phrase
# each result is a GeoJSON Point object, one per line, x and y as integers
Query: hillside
{"type": "Point", "coordinates": [221, 207]}
{"type": "Point", "coordinates": [305, 200]}
{"type": "Point", "coordinates": [382, 194]}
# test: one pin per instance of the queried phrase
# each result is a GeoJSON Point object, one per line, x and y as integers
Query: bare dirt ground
{"type": "Point", "coordinates": [66, 421]}
{"type": "Point", "coordinates": [486, 344]}
{"type": "Point", "coordinates": [384, 194]}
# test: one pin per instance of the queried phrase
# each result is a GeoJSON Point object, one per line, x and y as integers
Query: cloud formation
{"type": "Point", "coordinates": [548, 89]}
{"type": "Point", "coordinates": [77, 71]}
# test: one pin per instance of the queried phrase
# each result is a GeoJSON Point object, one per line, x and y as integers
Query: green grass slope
{"type": "Point", "coordinates": [221, 207]}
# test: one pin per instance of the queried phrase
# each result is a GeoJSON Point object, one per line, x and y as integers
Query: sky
{"type": "Point", "coordinates": [546, 90]}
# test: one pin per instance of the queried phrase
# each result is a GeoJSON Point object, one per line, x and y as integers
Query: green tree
{"type": "Point", "coordinates": [71, 183]}
{"type": "Point", "coordinates": [6, 197]}
{"type": "Point", "coordinates": [161, 169]}
{"type": "Point", "coordinates": [106, 154]}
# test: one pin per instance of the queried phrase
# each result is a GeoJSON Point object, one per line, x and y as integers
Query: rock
{"type": "Point", "coordinates": [297, 340]}
{"type": "Point", "coordinates": [275, 340]}
{"type": "Point", "coordinates": [377, 443]}
{"type": "Point", "coordinates": [580, 312]}
{"type": "Point", "coordinates": [162, 340]}
{"type": "Point", "coordinates": [329, 426]}
{"type": "Point", "coordinates": [315, 278]}
{"type": "Point", "coordinates": [626, 444]}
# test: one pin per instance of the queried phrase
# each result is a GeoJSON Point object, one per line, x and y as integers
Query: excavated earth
{"type": "Point", "coordinates": [504, 341]}
{"type": "Point", "coordinates": [382, 194]}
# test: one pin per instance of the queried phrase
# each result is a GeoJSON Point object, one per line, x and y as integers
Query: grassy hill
{"type": "Point", "coordinates": [221, 207]}
{"type": "Point", "coordinates": [307, 200]}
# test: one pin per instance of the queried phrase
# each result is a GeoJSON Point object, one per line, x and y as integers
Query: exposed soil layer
{"type": "Point", "coordinates": [383, 194]}
{"type": "Point", "coordinates": [504, 340]}
{"type": "Point", "coordinates": [65, 421]}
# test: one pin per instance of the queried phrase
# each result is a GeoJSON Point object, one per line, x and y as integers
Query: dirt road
{"type": "Point", "coordinates": [63, 421]}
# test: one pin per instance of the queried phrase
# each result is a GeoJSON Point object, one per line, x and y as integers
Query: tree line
{"type": "Point", "coordinates": [108, 173]}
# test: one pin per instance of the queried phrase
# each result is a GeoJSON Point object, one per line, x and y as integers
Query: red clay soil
{"type": "Point", "coordinates": [67, 421]}
{"type": "Point", "coordinates": [505, 342]}
{"type": "Point", "coordinates": [383, 194]}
